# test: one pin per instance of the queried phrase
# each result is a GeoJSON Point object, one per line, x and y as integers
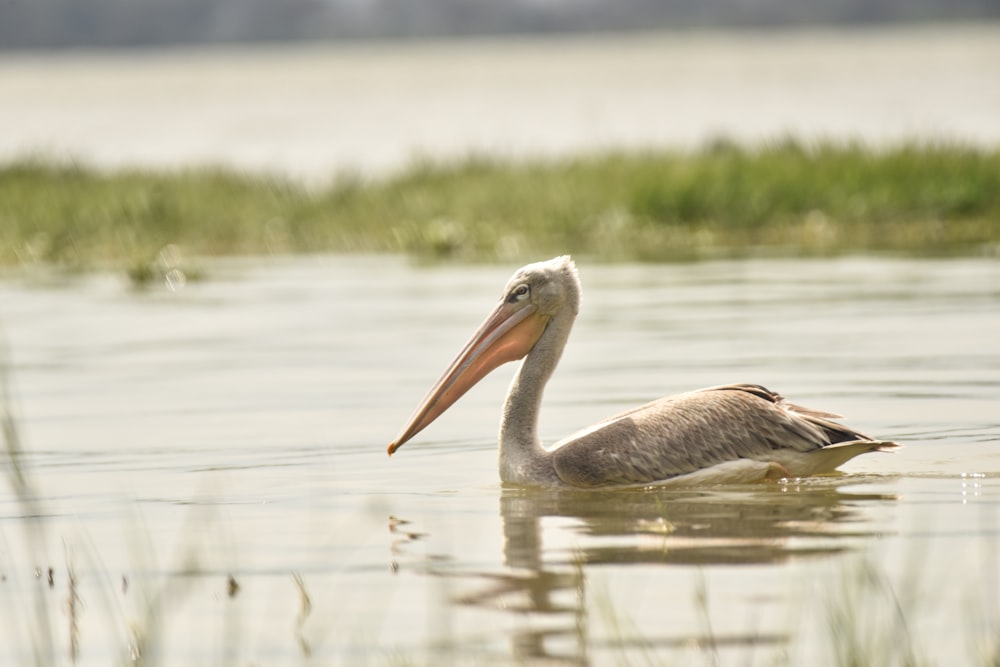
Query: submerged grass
{"type": "Point", "coordinates": [723, 200]}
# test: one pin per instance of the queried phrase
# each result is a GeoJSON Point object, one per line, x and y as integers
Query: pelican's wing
{"type": "Point", "coordinates": [687, 433]}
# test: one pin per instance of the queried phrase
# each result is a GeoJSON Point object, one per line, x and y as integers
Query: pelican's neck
{"type": "Point", "coordinates": [522, 458]}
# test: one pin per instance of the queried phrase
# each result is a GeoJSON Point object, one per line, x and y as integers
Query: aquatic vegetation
{"type": "Point", "coordinates": [783, 198]}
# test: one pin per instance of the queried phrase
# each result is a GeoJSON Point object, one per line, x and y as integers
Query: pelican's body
{"type": "Point", "coordinates": [733, 433]}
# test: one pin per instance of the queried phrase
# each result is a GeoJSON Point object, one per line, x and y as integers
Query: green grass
{"type": "Point", "coordinates": [785, 198]}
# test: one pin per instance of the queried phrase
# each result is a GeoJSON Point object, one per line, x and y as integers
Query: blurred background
{"type": "Point", "coordinates": [58, 24]}
{"type": "Point", "coordinates": [312, 87]}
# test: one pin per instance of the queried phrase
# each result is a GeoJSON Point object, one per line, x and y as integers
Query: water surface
{"type": "Point", "coordinates": [209, 467]}
{"type": "Point", "coordinates": [312, 110]}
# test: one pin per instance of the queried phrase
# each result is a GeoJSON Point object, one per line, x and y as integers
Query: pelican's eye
{"type": "Point", "coordinates": [519, 293]}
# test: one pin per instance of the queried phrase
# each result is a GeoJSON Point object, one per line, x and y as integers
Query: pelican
{"type": "Point", "coordinates": [728, 434]}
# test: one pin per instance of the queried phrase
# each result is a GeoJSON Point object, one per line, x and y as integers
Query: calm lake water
{"type": "Point", "coordinates": [312, 110]}
{"type": "Point", "coordinates": [207, 477]}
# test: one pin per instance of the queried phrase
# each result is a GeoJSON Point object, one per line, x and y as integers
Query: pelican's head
{"type": "Point", "coordinates": [549, 286]}
{"type": "Point", "coordinates": [534, 295]}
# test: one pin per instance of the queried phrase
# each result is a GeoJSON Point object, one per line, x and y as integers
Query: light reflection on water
{"type": "Point", "coordinates": [238, 427]}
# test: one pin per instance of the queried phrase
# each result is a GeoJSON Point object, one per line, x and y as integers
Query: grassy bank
{"type": "Point", "coordinates": [724, 200]}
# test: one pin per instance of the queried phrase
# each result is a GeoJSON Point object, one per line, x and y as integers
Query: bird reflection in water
{"type": "Point", "coordinates": [733, 525]}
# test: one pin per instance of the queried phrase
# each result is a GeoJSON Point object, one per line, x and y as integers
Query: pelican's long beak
{"type": "Point", "coordinates": [508, 334]}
